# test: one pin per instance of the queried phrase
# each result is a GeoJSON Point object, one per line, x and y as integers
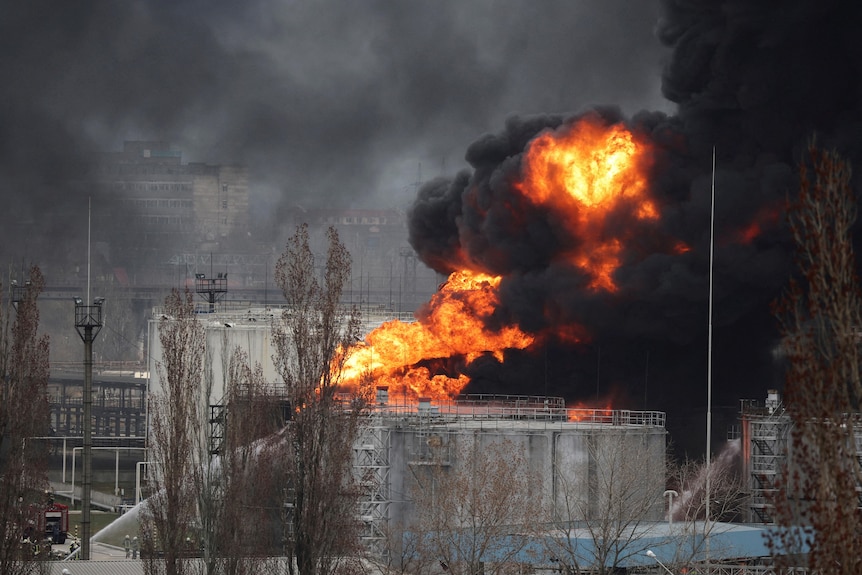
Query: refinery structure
{"type": "Point", "coordinates": [768, 452]}
{"type": "Point", "coordinates": [406, 437]}
{"type": "Point", "coordinates": [403, 436]}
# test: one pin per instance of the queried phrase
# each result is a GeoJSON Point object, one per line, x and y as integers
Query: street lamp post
{"type": "Point", "coordinates": [88, 323]}
{"type": "Point", "coordinates": [652, 555]}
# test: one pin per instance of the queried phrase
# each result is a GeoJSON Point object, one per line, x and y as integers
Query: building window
{"type": "Point", "coordinates": [224, 204]}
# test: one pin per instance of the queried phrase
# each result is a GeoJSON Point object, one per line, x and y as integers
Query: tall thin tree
{"type": "Point", "coordinates": [246, 474]}
{"type": "Point", "coordinates": [176, 426]}
{"type": "Point", "coordinates": [817, 503]}
{"type": "Point", "coordinates": [311, 339]}
{"type": "Point", "coordinates": [24, 414]}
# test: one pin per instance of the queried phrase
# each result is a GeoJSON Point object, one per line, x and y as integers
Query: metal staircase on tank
{"type": "Point", "coordinates": [430, 442]}
{"type": "Point", "coordinates": [371, 463]}
{"type": "Point", "coordinates": [769, 439]}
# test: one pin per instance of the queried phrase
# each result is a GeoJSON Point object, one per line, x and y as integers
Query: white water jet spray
{"type": "Point", "coordinates": [129, 520]}
{"type": "Point", "coordinates": [693, 496]}
{"type": "Point", "coordinates": [122, 525]}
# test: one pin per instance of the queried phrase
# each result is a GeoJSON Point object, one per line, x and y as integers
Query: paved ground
{"type": "Point", "coordinates": [120, 567]}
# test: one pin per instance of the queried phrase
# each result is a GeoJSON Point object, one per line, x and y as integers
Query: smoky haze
{"type": "Point", "coordinates": [349, 104]}
{"type": "Point", "coordinates": [752, 80]}
{"type": "Point", "coordinates": [337, 103]}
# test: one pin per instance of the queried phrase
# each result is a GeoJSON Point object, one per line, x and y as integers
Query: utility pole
{"type": "Point", "coordinates": [88, 323]}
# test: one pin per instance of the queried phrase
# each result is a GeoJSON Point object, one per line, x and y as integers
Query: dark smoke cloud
{"type": "Point", "coordinates": [754, 80]}
{"type": "Point", "coordinates": [342, 103]}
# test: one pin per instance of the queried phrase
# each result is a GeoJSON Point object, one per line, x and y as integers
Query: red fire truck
{"type": "Point", "coordinates": [55, 522]}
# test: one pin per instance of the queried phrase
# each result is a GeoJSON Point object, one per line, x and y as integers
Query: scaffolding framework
{"type": "Point", "coordinates": [218, 424]}
{"type": "Point", "coordinates": [371, 456]}
{"type": "Point", "coordinates": [768, 458]}
{"type": "Point", "coordinates": [767, 437]}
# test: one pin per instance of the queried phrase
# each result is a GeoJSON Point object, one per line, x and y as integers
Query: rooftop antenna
{"type": "Point", "coordinates": [709, 356]}
{"type": "Point", "coordinates": [89, 222]}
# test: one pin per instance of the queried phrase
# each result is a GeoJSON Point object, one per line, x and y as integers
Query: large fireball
{"type": "Point", "coordinates": [584, 175]}
{"type": "Point", "coordinates": [585, 172]}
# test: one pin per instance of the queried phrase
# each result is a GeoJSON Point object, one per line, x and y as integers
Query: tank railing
{"type": "Point", "coordinates": [236, 312]}
{"type": "Point", "coordinates": [481, 406]}
{"type": "Point", "coordinates": [487, 414]}
{"type": "Point", "coordinates": [535, 401]}
{"type": "Point", "coordinates": [656, 420]}
{"type": "Point", "coordinates": [246, 310]}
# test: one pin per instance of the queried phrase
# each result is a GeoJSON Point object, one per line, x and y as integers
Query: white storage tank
{"type": "Point", "coordinates": [570, 452]}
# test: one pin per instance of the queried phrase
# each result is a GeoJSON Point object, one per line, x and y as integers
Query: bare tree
{"type": "Point", "coordinates": [817, 505]}
{"type": "Point", "coordinates": [176, 425]}
{"type": "Point", "coordinates": [214, 482]}
{"type": "Point", "coordinates": [312, 340]}
{"type": "Point", "coordinates": [475, 510]}
{"type": "Point", "coordinates": [23, 414]}
{"type": "Point", "coordinates": [206, 470]}
{"type": "Point", "coordinates": [687, 508]}
{"type": "Point", "coordinates": [247, 524]}
{"type": "Point", "coordinates": [403, 552]}
{"type": "Point", "coordinates": [608, 507]}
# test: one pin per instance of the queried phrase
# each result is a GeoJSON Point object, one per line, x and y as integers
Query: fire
{"type": "Point", "coordinates": [588, 413]}
{"type": "Point", "coordinates": [588, 173]}
{"type": "Point", "coordinates": [767, 217]}
{"type": "Point", "coordinates": [451, 329]}
{"type": "Point", "coordinates": [681, 248]}
{"type": "Point", "coordinates": [591, 179]}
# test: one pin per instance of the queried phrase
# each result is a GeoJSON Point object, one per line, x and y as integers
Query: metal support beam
{"type": "Point", "coordinates": [88, 323]}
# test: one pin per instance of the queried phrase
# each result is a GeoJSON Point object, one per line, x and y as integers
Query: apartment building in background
{"type": "Point", "coordinates": [158, 194]}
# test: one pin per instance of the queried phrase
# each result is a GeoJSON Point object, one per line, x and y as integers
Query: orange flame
{"type": "Point", "coordinates": [681, 247]}
{"type": "Point", "coordinates": [583, 411]}
{"type": "Point", "coordinates": [590, 176]}
{"type": "Point", "coordinates": [453, 326]}
{"type": "Point", "coordinates": [587, 173]}
{"type": "Point", "coordinates": [766, 217]}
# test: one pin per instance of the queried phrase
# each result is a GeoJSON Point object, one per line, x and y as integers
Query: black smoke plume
{"type": "Point", "coordinates": [754, 81]}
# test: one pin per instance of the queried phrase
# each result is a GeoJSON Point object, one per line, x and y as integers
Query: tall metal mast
{"type": "Point", "coordinates": [88, 323]}
{"type": "Point", "coordinates": [709, 356]}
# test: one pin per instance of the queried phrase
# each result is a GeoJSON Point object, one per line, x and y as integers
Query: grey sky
{"type": "Point", "coordinates": [335, 100]}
